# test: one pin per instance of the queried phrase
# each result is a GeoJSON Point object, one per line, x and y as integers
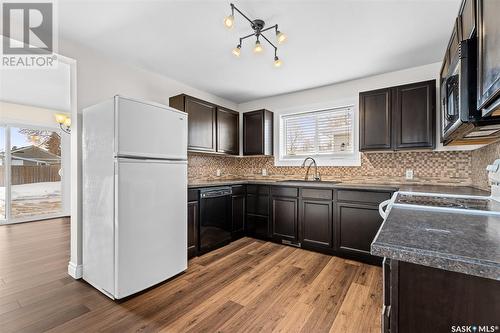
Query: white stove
{"type": "Point", "coordinates": [464, 204]}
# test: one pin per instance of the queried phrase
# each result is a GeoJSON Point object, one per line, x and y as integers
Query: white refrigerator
{"type": "Point", "coordinates": [134, 195]}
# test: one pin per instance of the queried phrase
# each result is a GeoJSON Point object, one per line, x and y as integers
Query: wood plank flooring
{"type": "Point", "coordinates": [247, 286]}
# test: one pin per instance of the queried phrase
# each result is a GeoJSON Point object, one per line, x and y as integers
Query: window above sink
{"type": "Point", "coordinates": [326, 134]}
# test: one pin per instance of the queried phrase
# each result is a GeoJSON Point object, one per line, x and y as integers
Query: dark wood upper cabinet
{"type": "Point", "coordinates": [414, 115]}
{"type": "Point", "coordinates": [211, 128]}
{"type": "Point", "coordinates": [228, 124]}
{"type": "Point", "coordinates": [375, 116]}
{"type": "Point", "coordinates": [258, 133]}
{"type": "Point", "coordinates": [202, 130]}
{"type": "Point", "coordinates": [402, 117]}
{"type": "Point", "coordinates": [454, 42]}
{"type": "Point", "coordinates": [467, 19]}
{"type": "Point", "coordinates": [488, 79]}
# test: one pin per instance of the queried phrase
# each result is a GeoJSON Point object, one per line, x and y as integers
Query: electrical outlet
{"type": "Point", "coordinates": [409, 174]}
{"type": "Point", "coordinates": [218, 173]}
{"type": "Point", "coordinates": [264, 172]}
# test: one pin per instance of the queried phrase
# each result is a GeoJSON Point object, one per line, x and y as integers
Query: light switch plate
{"type": "Point", "coordinates": [409, 174]}
{"type": "Point", "coordinates": [264, 172]}
{"type": "Point", "coordinates": [218, 172]}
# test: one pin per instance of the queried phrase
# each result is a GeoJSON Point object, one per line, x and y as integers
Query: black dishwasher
{"type": "Point", "coordinates": [215, 218]}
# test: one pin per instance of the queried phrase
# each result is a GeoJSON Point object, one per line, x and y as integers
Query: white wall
{"type": "Point", "coordinates": [99, 78]}
{"type": "Point", "coordinates": [347, 93]}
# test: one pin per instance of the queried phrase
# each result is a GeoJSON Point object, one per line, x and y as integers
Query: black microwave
{"type": "Point", "coordinates": [460, 119]}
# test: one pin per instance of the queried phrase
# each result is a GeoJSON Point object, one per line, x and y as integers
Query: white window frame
{"type": "Point", "coordinates": [338, 159]}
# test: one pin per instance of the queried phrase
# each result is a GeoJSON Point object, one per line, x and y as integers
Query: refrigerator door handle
{"type": "Point", "coordinates": [150, 157]}
{"type": "Point", "coordinates": [122, 159]}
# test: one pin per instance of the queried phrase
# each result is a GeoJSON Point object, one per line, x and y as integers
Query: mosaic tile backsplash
{"type": "Point", "coordinates": [435, 168]}
{"type": "Point", "coordinates": [480, 159]}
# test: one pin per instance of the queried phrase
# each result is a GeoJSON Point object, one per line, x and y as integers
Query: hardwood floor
{"type": "Point", "coordinates": [247, 286]}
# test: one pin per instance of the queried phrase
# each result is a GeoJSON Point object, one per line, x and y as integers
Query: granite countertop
{"type": "Point", "coordinates": [298, 183]}
{"type": "Point", "coordinates": [463, 190]}
{"type": "Point", "coordinates": [458, 242]}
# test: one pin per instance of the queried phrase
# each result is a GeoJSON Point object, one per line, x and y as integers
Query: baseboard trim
{"type": "Point", "coordinates": [75, 271]}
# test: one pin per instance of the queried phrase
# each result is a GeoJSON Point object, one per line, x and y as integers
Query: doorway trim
{"type": "Point", "coordinates": [75, 268]}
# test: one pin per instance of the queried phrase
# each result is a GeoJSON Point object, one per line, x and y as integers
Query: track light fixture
{"type": "Point", "coordinates": [258, 27]}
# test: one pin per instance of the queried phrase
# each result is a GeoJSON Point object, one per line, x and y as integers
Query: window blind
{"type": "Point", "coordinates": [326, 132]}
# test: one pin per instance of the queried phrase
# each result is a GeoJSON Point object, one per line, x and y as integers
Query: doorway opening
{"type": "Point", "coordinates": [32, 163]}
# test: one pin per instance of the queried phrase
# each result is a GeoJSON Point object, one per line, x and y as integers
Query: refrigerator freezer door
{"type": "Point", "coordinates": [151, 229]}
{"type": "Point", "coordinates": [149, 130]}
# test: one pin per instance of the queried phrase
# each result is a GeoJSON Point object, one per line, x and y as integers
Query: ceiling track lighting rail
{"type": "Point", "coordinates": [258, 26]}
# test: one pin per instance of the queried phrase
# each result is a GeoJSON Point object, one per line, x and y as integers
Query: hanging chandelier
{"type": "Point", "coordinates": [258, 29]}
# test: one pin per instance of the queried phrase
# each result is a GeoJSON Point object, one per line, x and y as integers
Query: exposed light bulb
{"type": "Point", "coordinates": [277, 62]}
{"type": "Point", "coordinates": [281, 37]}
{"type": "Point", "coordinates": [229, 21]}
{"type": "Point", "coordinates": [237, 51]}
{"type": "Point", "coordinates": [60, 118]}
{"type": "Point", "coordinates": [258, 47]}
{"type": "Point", "coordinates": [67, 122]}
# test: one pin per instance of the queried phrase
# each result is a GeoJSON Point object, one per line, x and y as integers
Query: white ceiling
{"type": "Point", "coordinates": [42, 88]}
{"type": "Point", "coordinates": [329, 41]}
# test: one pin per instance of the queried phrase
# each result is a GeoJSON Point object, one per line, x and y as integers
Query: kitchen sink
{"type": "Point", "coordinates": [311, 181]}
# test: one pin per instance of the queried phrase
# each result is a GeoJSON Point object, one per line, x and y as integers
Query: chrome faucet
{"type": "Point", "coordinates": [316, 174]}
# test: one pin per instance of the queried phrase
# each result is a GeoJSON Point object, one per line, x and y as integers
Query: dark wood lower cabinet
{"type": "Point", "coordinates": [357, 225]}
{"type": "Point", "coordinates": [340, 222]}
{"type": "Point", "coordinates": [257, 211]}
{"type": "Point", "coordinates": [426, 299]}
{"type": "Point", "coordinates": [258, 204]}
{"type": "Point", "coordinates": [284, 218]}
{"type": "Point", "coordinates": [316, 223]}
{"type": "Point", "coordinates": [192, 228]}
{"type": "Point", "coordinates": [238, 215]}
{"type": "Point", "coordinates": [257, 226]}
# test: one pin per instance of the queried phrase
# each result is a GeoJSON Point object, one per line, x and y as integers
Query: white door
{"type": "Point", "coordinates": [150, 130]}
{"type": "Point", "coordinates": [151, 228]}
